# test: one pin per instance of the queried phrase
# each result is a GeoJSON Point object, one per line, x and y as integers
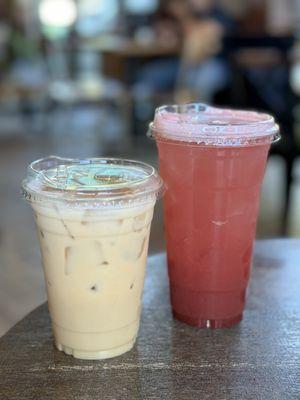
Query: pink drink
{"type": "Point", "coordinates": [212, 162]}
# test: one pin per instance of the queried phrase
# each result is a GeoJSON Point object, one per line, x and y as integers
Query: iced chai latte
{"type": "Point", "coordinates": [212, 162]}
{"type": "Point", "coordinates": [93, 218]}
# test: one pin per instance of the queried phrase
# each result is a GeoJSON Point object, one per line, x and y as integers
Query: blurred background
{"type": "Point", "coordinates": [83, 77]}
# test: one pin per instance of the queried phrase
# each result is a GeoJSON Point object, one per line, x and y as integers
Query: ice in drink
{"type": "Point", "coordinates": [212, 162]}
{"type": "Point", "coordinates": [93, 219]}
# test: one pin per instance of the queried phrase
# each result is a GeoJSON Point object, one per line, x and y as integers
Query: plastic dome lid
{"type": "Point", "coordinates": [203, 124]}
{"type": "Point", "coordinates": [103, 181]}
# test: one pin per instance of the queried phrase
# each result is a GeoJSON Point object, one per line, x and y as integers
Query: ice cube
{"type": "Point", "coordinates": [83, 256]}
{"type": "Point", "coordinates": [86, 217]}
{"type": "Point", "coordinates": [136, 248]}
{"type": "Point", "coordinates": [114, 223]}
{"type": "Point", "coordinates": [99, 254]}
{"type": "Point", "coordinates": [139, 222]}
{"type": "Point", "coordinates": [69, 266]}
{"type": "Point", "coordinates": [69, 233]}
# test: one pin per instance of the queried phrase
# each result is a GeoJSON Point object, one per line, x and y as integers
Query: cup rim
{"type": "Point", "coordinates": [98, 180]}
{"type": "Point", "coordinates": [203, 124]}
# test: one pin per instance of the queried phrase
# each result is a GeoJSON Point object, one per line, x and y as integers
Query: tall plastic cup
{"type": "Point", "coordinates": [212, 162]}
{"type": "Point", "coordinates": [93, 218]}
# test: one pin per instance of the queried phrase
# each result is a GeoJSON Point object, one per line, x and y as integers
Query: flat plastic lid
{"type": "Point", "coordinates": [203, 124]}
{"type": "Point", "coordinates": [105, 181]}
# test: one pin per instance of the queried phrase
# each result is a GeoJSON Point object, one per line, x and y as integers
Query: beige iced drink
{"type": "Point", "coordinates": [94, 254]}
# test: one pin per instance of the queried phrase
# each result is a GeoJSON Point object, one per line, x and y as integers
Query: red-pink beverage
{"type": "Point", "coordinates": [212, 162]}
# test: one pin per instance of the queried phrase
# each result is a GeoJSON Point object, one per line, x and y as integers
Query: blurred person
{"type": "Point", "coordinates": [203, 69]}
{"type": "Point", "coordinates": [160, 75]}
{"type": "Point", "coordinates": [197, 27]}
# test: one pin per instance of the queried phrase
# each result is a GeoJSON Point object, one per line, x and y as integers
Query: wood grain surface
{"type": "Point", "coordinates": [257, 359]}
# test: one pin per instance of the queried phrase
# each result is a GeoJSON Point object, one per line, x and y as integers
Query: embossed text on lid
{"type": "Point", "coordinates": [202, 124]}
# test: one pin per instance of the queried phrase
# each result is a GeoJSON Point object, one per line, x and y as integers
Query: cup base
{"type": "Point", "coordinates": [95, 345]}
{"type": "Point", "coordinates": [95, 355]}
{"type": "Point", "coordinates": [208, 323]}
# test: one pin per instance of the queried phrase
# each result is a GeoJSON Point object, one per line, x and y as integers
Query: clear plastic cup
{"type": "Point", "coordinates": [212, 162]}
{"type": "Point", "coordinates": [93, 218]}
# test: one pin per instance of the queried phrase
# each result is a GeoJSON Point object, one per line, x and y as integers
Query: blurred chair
{"type": "Point", "coordinates": [260, 80]}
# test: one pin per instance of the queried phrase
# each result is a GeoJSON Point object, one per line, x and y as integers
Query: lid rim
{"type": "Point", "coordinates": [197, 122]}
{"type": "Point", "coordinates": [122, 180]}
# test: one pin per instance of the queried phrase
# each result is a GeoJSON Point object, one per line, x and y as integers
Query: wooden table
{"type": "Point", "coordinates": [258, 359]}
